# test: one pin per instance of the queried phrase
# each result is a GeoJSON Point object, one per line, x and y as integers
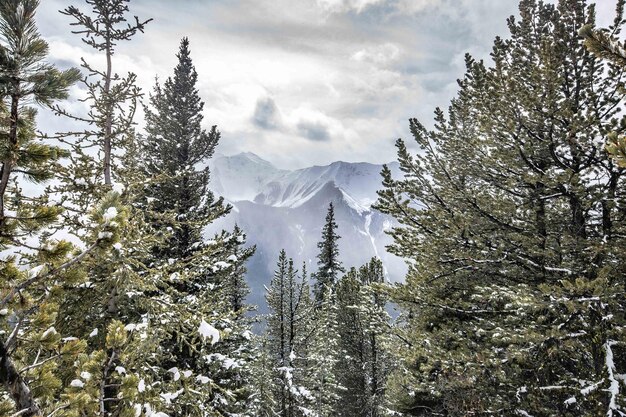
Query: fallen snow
{"type": "Point", "coordinates": [110, 214]}
{"type": "Point", "coordinates": [77, 383]}
{"type": "Point", "coordinates": [208, 331]}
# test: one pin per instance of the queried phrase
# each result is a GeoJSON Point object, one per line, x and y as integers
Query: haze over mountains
{"type": "Point", "coordinates": [281, 209]}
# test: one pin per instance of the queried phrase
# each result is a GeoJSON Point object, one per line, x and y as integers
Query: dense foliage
{"type": "Point", "coordinates": [512, 214]}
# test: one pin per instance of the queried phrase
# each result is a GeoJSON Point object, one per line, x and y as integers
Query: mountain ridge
{"type": "Point", "coordinates": [282, 209]}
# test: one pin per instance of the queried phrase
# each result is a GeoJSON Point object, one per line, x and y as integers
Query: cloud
{"type": "Point", "coordinates": [379, 54]}
{"type": "Point", "coordinates": [304, 82]}
{"type": "Point", "coordinates": [416, 6]}
{"type": "Point", "coordinates": [315, 131]}
{"type": "Point", "coordinates": [360, 6]}
{"type": "Point", "coordinates": [266, 114]}
{"type": "Point", "coordinates": [336, 6]}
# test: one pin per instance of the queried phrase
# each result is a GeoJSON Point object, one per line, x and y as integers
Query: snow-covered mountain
{"type": "Point", "coordinates": [241, 177]}
{"type": "Point", "coordinates": [281, 209]}
{"type": "Point", "coordinates": [358, 180]}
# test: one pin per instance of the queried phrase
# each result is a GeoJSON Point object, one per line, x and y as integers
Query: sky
{"type": "Point", "coordinates": [303, 82]}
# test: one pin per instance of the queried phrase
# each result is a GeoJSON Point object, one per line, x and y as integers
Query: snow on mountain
{"type": "Point", "coordinates": [240, 177]}
{"type": "Point", "coordinates": [358, 180]}
{"type": "Point", "coordinates": [281, 209]}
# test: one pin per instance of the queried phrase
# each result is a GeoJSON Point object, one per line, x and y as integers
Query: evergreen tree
{"type": "Point", "coordinates": [174, 146]}
{"type": "Point", "coordinates": [204, 348]}
{"type": "Point", "coordinates": [35, 358]}
{"type": "Point", "coordinates": [288, 332]}
{"type": "Point", "coordinates": [323, 357]}
{"type": "Point", "coordinates": [511, 218]}
{"type": "Point", "coordinates": [328, 259]}
{"type": "Point", "coordinates": [362, 367]}
{"type": "Point", "coordinates": [604, 44]}
{"type": "Point", "coordinates": [115, 322]}
{"type": "Point", "coordinates": [262, 403]}
{"type": "Point", "coordinates": [235, 286]}
{"type": "Point", "coordinates": [278, 334]}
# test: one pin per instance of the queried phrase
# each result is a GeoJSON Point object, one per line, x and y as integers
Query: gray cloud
{"type": "Point", "coordinates": [346, 73]}
{"type": "Point", "coordinates": [314, 131]}
{"type": "Point", "coordinates": [266, 114]}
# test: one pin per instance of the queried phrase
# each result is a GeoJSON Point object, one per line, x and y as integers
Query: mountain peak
{"type": "Point", "coordinates": [251, 157]}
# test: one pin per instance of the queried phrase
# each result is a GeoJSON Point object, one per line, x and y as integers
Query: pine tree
{"type": "Point", "coordinates": [235, 286]}
{"type": "Point", "coordinates": [510, 217]}
{"type": "Point", "coordinates": [288, 335]}
{"type": "Point", "coordinates": [35, 358]}
{"type": "Point", "coordinates": [328, 259]}
{"type": "Point", "coordinates": [278, 334]}
{"type": "Point", "coordinates": [302, 319]}
{"type": "Point", "coordinates": [363, 364]}
{"type": "Point", "coordinates": [115, 322]}
{"type": "Point", "coordinates": [323, 357]}
{"type": "Point", "coordinates": [262, 403]}
{"type": "Point", "coordinates": [604, 44]}
{"type": "Point", "coordinates": [204, 350]}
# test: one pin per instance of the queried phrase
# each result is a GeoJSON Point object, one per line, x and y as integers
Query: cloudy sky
{"type": "Point", "coordinates": [303, 82]}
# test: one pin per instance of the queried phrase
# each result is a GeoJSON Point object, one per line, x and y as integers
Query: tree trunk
{"type": "Point", "coordinates": [108, 123]}
{"type": "Point", "coordinates": [16, 386]}
{"type": "Point", "coordinates": [7, 165]}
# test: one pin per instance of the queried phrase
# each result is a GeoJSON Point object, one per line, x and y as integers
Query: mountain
{"type": "Point", "coordinates": [280, 209]}
{"type": "Point", "coordinates": [359, 180]}
{"type": "Point", "coordinates": [242, 176]}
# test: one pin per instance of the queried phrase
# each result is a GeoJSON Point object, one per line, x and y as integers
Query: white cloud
{"type": "Point", "coordinates": [338, 6]}
{"type": "Point", "coordinates": [379, 54]}
{"type": "Point", "coordinates": [359, 6]}
{"type": "Point", "coordinates": [341, 77]}
{"type": "Point", "coordinates": [416, 6]}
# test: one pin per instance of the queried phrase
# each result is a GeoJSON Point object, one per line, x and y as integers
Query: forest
{"type": "Point", "coordinates": [511, 217]}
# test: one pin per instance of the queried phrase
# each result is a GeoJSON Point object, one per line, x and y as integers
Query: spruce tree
{"type": "Point", "coordinates": [205, 349]}
{"type": "Point", "coordinates": [174, 146]}
{"type": "Point", "coordinates": [278, 334]}
{"type": "Point", "coordinates": [323, 357]}
{"type": "Point", "coordinates": [511, 217]}
{"type": "Point", "coordinates": [235, 286]}
{"type": "Point", "coordinates": [329, 265]}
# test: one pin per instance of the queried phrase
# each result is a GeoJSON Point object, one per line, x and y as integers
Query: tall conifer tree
{"type": "Point", "coordinates": [329, 265]}
{"type": "Point", "coordinates": [36, 360]}
{"type": "Point", "coordinates": [511, 216]}
{"type": "Point", "coordinates": [115, 321]}
{"type": "Point", "coordinates": [175, 145]}
{"type": "Point", "coordinates": [363, 365]}
{"type": "Point", "coordinates": [205, 345]}
{"type": "Point", "coordinates": [288, 334]}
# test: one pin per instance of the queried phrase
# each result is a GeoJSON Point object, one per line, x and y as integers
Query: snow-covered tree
{"type": "Point", "coordinates": [323, 356]}
{"type": "Point", "coordinates": [37, 270]}
{"type": "Point", "coordinates": [511, 216]}
{"type": "Point", "coordinates": [288, 334]}
{"type": "Point", "coordinates": [204, 342]}
{"type": "Point", "coordinates": [363, 323]}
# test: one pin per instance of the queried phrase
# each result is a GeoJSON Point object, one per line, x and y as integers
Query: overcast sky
{"type": "Point", "coordinates": [304, 82]}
